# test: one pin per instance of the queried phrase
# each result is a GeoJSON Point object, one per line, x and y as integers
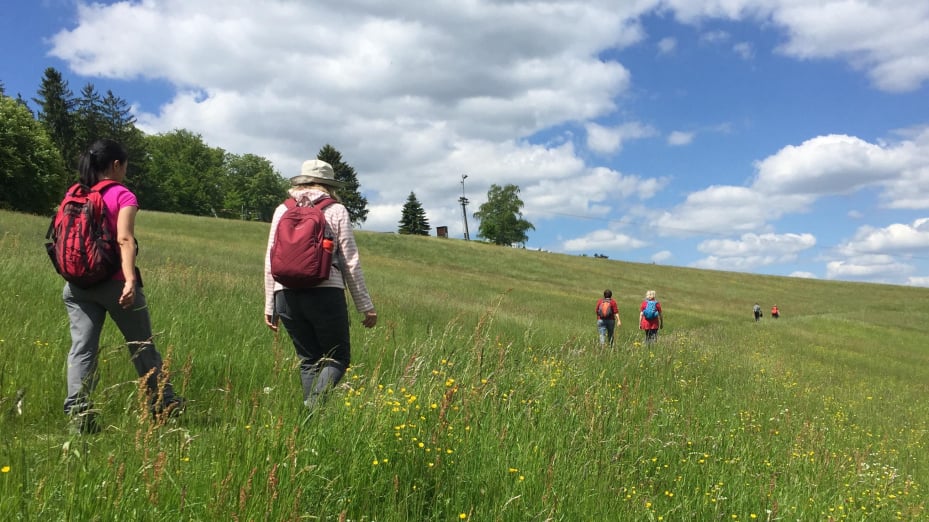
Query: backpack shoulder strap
{"type": "Point", "coordinates": [100, 188]}
{"type": "Point", "coordinates": [103, 185]}
{"type": "Point", "coordinates": [290, 203]}
{"type": "Point", "coordinates": [324, 202]}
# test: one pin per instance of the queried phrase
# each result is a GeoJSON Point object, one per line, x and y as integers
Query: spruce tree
{"type": "Point", "coordinates": [355, 203]}
{"type": "Point", "coordinates": [413, 218]}
{"type": "Point", "coordinates": [56, 113]}
{"type": "Point", "coordinates": [89, 121]}
{"type": "Point", "coordinates": [117, 117]}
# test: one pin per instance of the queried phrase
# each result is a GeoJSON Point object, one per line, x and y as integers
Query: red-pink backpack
{"type": "Point", "coordinates": [301, 256]}
{"type": "Point", "coordinates": [81, 246]}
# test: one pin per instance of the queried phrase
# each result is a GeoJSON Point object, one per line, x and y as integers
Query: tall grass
{"type": "Point", "coordinates": [481, 395]}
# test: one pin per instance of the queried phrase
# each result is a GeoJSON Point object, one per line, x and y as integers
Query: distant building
{"type": "Point", "coordinates": [441, 231]}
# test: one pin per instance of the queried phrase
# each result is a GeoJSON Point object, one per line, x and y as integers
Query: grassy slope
{"type": "Point", "coordinates": [841, 351]}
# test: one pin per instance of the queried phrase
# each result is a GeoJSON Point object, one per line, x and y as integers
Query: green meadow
{"type": "Point", "coordinates": [481, 395]}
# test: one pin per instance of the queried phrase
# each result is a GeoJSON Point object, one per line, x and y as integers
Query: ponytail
{"type": "Point", "coordinates": [97, 159]}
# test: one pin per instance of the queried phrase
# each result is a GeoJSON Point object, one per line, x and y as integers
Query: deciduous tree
{"type": "Point", "coordinates": [501, 217]}
{"type": "Point", "coordinates": [253, 188]}
{"type": "Point", "coordinates": [32, 171]}
{"type": "Point", "coordinates": [189, 174]}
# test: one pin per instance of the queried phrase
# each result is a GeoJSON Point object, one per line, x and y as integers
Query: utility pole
{"type": "Point", "coordinates": [464, 208]}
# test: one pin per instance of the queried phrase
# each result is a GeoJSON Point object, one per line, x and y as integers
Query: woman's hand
{"type": "Point", "coordinates": [370, 319]}
{"type": "Point", "coordinates": [271, 321]}
{"type": "Point", "coordinates": [127, 298]}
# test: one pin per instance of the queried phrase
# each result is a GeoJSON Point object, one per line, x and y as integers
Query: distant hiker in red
{"type": "Point", "coordinates": [120, 296]}
{"type": "Point", "coordinates": [315, 313]}
{"type": "Point", "coordinates": [650, 317]}
{"type": "Point", "coordinates": [775, 313]}
{"type": "Point", "coordinates": [607, 318]}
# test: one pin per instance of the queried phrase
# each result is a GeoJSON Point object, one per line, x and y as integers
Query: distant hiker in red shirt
{"type": "Point", "coordinates": [607, 318]}
{"type": "Point", "coordinates": [775, 313]}
{"type": "Point", "coordinates": [650, 317]}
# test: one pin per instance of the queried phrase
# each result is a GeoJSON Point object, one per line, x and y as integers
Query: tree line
{"type": "Point", "coordinates": [170, 172]}
{"type": "Point", "coordinates": [177, 171]}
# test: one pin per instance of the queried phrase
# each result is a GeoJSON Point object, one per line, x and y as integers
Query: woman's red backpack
{"type": "Point", "coordinates": [301, 256]}
{"type": "Point", "coordinates": [82, 248]}
{"type": "Point", "coordinates": [605, 311]}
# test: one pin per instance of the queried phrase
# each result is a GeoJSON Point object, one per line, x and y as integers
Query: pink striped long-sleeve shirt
{"type": "Point", "coordinates": [345, 273]}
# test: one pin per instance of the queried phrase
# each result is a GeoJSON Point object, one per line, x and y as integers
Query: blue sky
{"type": "Point", "coordinates": [761, 136]}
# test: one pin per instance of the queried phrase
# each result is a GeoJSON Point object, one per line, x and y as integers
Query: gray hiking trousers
{"type": "Point", "coordinates": [87, 310]}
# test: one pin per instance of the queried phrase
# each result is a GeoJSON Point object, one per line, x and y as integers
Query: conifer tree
{"type": "Point", "coordinates": [56, 105]}
{"type": "Point", "coordinates": [355, 203]}
{"type": "Point", "coordinates": [116, 117]}
{"type": "Point", "coordinates": [89, 119]}
{"type": "Point", "coordinates": [413, 218]}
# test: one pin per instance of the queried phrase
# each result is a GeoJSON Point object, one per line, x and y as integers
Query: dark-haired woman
{"type": "Point", "coordinates": [121, 297]}
{"type": "Point", "coordinates": [607, 318]}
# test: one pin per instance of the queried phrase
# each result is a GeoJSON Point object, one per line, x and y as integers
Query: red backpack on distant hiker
{"type": "Point", "coordinates": [605, 311]}
{"type": "Point", "coordinates": [82, 249]}
{"type": "Point", "coordinates": [301, 256]}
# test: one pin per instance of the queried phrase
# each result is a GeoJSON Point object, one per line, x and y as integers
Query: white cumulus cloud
{"type": "Point", "coordinates": [678, 138]}
{"type": "Point", "coordinates": [603, 239]}
{"type": "Point", "coordinates": [753, 250]}
{"type": "Point", "coordinates": [609, 140]}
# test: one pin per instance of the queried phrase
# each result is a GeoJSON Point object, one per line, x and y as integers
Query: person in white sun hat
{"type": "Point", "coordinates": [316, 318]}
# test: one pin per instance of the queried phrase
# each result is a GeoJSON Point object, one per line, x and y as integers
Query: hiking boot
{"type": "Point", "coordinates": [312, 405]}
{"type": "Point", "coordinates": [171, 408]}
{"type": "Point", "coordinates": [84, 424]}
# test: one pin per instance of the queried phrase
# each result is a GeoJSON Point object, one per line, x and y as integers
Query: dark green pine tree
{"type": "Point", "coordinates": [90, 122]}
{"type": "Point", "coordinates": [355, 203]}
{"type": "Point", "coordinates": [413, 218]}
{"type": "Point", "coordinates": [56, 104]}
{"type": "Point", "coordinates": [22, 101]}
{"type": "Point", "coordinates": [116, 117]}
{"type": "Point", "coordinates": [117, 122]}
